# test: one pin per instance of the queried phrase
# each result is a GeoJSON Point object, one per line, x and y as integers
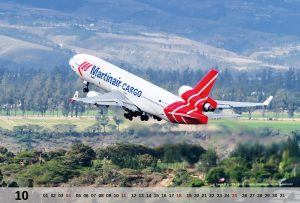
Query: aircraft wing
{"type": "Point", "coordinates": [233, 104]}
{"type": "Point", "coordinates": [114, 98]}
{"type": "Point", "coordinates": [220, 115]}
{"type": "Point", "coordinates": [209, 115]}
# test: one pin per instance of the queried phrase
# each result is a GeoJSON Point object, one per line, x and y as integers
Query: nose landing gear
{"type": "Point", "coordinates": [86, 88]}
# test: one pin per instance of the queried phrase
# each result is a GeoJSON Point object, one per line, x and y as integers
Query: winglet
{"type": "Point", "coordinates": [267, 102]}
{"type": "Point", "coordinates": [75, 97]}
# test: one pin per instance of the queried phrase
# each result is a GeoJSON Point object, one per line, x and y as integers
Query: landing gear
{"type": "Point", "coordinates": [144, 117]}
{"type": "Point", "coordinates": [157, 118]}
{"type": "Point", "coordinates": [86, 88]}
{"type": "Point", "coordinates": [135, 114]}
{"type": "Point", "coordinates": [128, 116]}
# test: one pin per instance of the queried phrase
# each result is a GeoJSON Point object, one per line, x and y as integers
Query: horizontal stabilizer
{"type": "Point", "coordinates": [267, 102]}
{"type": "Point", "coordinates": [234, 104]}
{"type": "Point", "coordinates": [220, 115]}
{"type": "Point", "coordinates": [75, 97]}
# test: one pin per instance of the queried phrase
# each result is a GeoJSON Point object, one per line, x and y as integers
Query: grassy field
{"type": "Point", "coordinates": [111, 112]}
{"type": "Point", "coordinates": [51, 114]}
{"type": "Point", "coordinates": [47, 122]}
{"type": "Point", "coordinates": [284, 126]}
{"type": "Point", "coordinates": [269, 114]}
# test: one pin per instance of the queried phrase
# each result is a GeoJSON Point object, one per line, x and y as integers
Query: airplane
{"type": "Point", "coordinates": [139, 97]}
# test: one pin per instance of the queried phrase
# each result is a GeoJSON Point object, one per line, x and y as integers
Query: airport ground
{"type": "Point", "coordinates": [223, 135]}
{"type": "Point", "coordinates": [283, 123]}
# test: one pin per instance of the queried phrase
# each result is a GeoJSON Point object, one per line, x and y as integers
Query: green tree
{"type": "Point", "coordinates": [103, 121]}
{"type": "Point", "coordinates": [292, 104]}
{"type": "Point", "coordinates": [208, 160]}
{"type": "Point", "coordinates": [12, 184]}
{"type": "Point", "coordinates": [292, 146]}
{"type": "Point", "coordinates": [26, 156]}
{"type": "Point", "coordinates": [285, 166]}
{"type": "Point", "coordinates": [96, 128]}
{"type": "Point", "coordinates": [179, 152]}
{"type": "Point", "coordinates": [118, 121]}
{"type": "Point", "coordinates": [3, 150]}
{"type": "Point", "coordinates": [30, 182]}
{"type": "Point", "coordinates": [129, 155]}
{"type": "Point", "coordinates": [64, 128]}
{"type": "Point", "coordinates": [259, 172]}
{"type": "Point", "coordinates": [1, 178]}
{"type": "Point", "coordinates": [191, 153]}
{"type": "Point", "coordinates": [112, 127]}
{"type": "Point", "coordinates": [82, 154]}
{"type": "Point", "coordinates": [215, 175]}
{"type": "Point", "coordinates": [147, 160]}
{"type": "Point", "coordinates": [52, 173]}
{"type": "Point", "coordinates": [55, 154]}
{"type": "Point", "coordinates": [238, 173]}
{"type": "Point", "coordinates": [235, 168]}
{"type": "Point", "coordinates": [184, 179]}
{"type": "Point", "coordinates": [170, 153]}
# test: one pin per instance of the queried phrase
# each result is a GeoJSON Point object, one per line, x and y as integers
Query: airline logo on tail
{"type": "Point", "coordinates": [195, 102]}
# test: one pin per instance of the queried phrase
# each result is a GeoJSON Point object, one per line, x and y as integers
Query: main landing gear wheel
{"type": "Point", "coordinates": [157, 118]}
{"type": "Point", "coordinates": [144, 118]}
{"type": "Point", "coordinates": [128, 116]}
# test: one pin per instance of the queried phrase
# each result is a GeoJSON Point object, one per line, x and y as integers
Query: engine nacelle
{"type": "Point", "coordinates": [208, 107]}
{"type": "Point", "coordinates": [183, 89]}
{"type": "Point", "coordinates": [92, 94]}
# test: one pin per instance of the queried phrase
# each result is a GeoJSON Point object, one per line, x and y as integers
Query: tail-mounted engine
{"type": "Point", "coordinates": [199, 100]}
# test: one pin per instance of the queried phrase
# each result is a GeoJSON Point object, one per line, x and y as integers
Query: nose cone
{"type": "Point", "coordinates": [71, 63]}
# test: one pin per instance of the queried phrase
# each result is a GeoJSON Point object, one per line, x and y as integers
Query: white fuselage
{"type": "Point", "coordinates": [146, 96]}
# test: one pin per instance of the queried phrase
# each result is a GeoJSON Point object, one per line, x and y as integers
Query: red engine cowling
{"type": "Point", "coordinates": [207, 105]}
{"type": "Point", "coordinates": [202, 102]}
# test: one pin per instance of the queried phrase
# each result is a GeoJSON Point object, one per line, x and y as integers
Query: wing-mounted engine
{"type": "Point", "coordinates": [103, 109]}
{"type": "Point", "coordinates": [92, 94]}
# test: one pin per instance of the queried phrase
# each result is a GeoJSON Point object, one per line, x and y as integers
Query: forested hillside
{"type": "Point", "coordinates": [127, 165]}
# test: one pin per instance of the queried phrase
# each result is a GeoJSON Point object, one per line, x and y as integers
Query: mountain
{"type": "Point", "coordinates": [153, 33]}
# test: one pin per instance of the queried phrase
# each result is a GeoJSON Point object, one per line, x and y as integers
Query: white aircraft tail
{"type": "Point", "coordinates": [267, 102]}
{"type": "Point", "coordinates": [75, 97]}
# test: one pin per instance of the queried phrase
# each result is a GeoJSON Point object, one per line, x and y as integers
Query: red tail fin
{"type": "Point", "coordinates": [205, 85]}
{"type": "Point", "coordinates": [203, 88]}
